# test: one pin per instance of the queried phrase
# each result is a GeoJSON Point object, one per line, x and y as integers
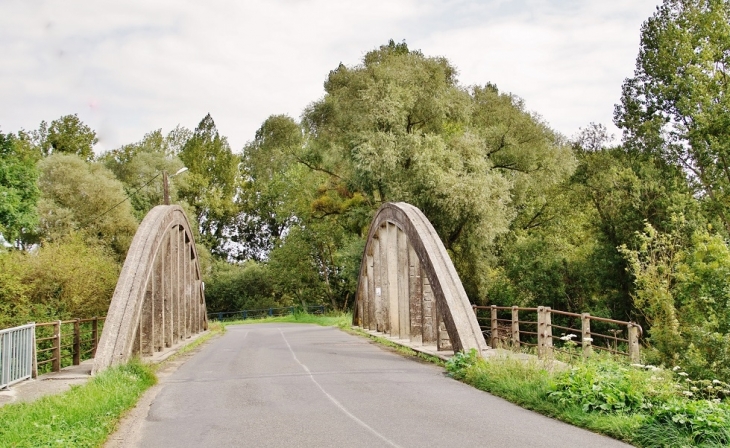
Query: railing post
{"type": "Point", "coordinates": [220, 317]}
{"type": "Point", "coordinates": [94, 335]}
{"type": "Point", "coordinates": [245, 314]}
{"type": "Point", "coordinates": [77, 342]}
{"type": "Point", "coordinates": [585, 320]}
{"type": "Point", "coordinates": [634, 354]}
{"type": "Point", "coordinates": [271, 311]}
{"type": "Point", "coordinates": [495, 327]}
{"type": "Point", "coordinates": [540, 332]}
{"type": "Point", "coordinates": [515, 328]}
{"type": "Point", "coordinates": [56, 364]}
{"type": "Point", "coordinates": [547, 319]}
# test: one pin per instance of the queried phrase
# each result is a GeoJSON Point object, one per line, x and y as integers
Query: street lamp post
{"type": "Point", "coordinates": [166, 184]}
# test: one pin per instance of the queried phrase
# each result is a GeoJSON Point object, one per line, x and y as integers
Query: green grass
{"type": "Point", "coordinates": [341, 320]}
{"type": "Point", "coordinates": [81, 417]}
{"type": "Point", "coordinates": [641, 405]}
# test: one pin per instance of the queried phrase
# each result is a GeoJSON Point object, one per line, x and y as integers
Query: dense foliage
{"type": "Point", "coordinates": [634, 231]}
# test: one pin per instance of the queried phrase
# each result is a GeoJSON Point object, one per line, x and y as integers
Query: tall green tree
{"type": "Point", "coordinates": [66, 135]}
{"type": "Point", "coordinates": [78, 196]}
{"type": "Point", "coordinates": [211, 183]}
{"type": "Point", "coordinates": [18, 188]}
{"type": "Point", "coordinates": [677, 104]}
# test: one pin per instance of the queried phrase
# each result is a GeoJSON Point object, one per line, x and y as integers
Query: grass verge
{"type": "Point", "coordinates": [81, 417]}
{"type": "Point", "coordinates": [642, 405]}
{"type": "Point", "coordinates": [341, 320]}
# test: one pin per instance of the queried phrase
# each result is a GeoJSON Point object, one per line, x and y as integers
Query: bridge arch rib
{"type": "Point", "coordinates": [158, 301]}
{"type": "Point", "coordinates": [408, 286]}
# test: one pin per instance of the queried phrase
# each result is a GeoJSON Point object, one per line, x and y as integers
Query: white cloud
{"type": "Point", "coordinates": [130, 67]}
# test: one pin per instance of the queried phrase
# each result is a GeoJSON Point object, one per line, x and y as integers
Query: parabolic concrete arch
{"type": "Point", "coordinates": [159, 300]}
{"type": "Point", "coordinates": [408, 286]}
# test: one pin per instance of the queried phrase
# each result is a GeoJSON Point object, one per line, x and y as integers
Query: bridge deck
{"type": "Point", "coordinates": [273, 385]}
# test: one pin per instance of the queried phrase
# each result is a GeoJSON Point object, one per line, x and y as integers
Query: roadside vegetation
{"type": "Point", "coordinates": [333, 319]}
{"type": "Point", "coordinates": [81, 417]}
{"type": "Point", "coordinates": [644, 405]}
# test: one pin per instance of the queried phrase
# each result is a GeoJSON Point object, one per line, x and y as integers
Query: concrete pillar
{"type": "Point", "coordinates": [415, 296]}
{"type": "Point", "coordinates": [392, 266]}
{"type": "Point", "coordinates": [169, 281]}
{"type": "Point", "coordinates": [371, 288]}
{"type": "Point", "coordinates": [378, 250]}
{"type": "Point", "coordinates": [404, 311]}
{"type": "Point", "coordinates": [383, 318]}
{"type": "Point", "coordinates": [146, 320]}
{"type": "Point", "coordinates": [159, 300]}
{"type": "Point", "coordinates": [429, 312]}
{"type": "Point", "coordinates": [174, 282]}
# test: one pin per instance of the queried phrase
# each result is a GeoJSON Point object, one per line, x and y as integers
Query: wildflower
{"type": "Point", "coordinates": [693, 389]}
{"type": "Point", "coordinates": [716, 382]}
{"type": "Point", "coordinates": [588, 339]}
{"type": "Point", "coordinates": [675, 368]}
{"type": "Point", "coordinates": [688, 393]}
{"type": "Point", "coordinates": [567, 337]}
{"type": "Point", "coordinates": [682, 374]}
{"type": "Point", "coordinates": [641, 366]}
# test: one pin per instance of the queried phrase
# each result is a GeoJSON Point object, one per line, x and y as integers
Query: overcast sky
{"type": "Point", "coordinates": [133, 66]}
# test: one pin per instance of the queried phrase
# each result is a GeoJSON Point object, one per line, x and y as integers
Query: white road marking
{"type": "Point", "coordinates": [337, 403]}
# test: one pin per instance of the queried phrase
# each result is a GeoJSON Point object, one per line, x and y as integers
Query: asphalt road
{"type": "Point", "coordinates": [288, 385]}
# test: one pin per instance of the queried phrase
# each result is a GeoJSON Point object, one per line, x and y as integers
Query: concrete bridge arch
{"type": "Point", "coordinates": [408, 287]}
{"type": "Point", "coordinates": [158, 301]}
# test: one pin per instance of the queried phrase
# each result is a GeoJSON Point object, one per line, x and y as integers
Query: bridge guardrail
{"type": "Point", "coordinates": [61, 348]}
{"type": "Point", "coordinates": [16, 354]}
{"type": "Point", "coordinates": [501, 331]}
{"type": "Point", "coordinates": [263, 313]}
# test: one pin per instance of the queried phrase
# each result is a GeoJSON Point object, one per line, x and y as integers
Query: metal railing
{"type": "Point", "coordinates": [16, 354]}
{"type": "Point", "coordinates": [66, 342]}
{"type": "Point", "coordinates": [502, 331]}
{"type": "Point", "coordinates": [263, 313]}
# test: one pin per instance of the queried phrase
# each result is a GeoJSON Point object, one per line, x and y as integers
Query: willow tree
{"type": "Point", "coordinates": [677, 104]}
{"type": "Point", "coordinates": [399, 127]}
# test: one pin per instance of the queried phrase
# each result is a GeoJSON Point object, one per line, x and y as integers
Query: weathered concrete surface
{"type": "Point", "coordinates": [48, 384]}
{"type": "Point", "coordinates": [408, 286]}
{"type": "Point", "coordinates": [158, 301]}
{"type": "Point", "coordinates": [274, 385]}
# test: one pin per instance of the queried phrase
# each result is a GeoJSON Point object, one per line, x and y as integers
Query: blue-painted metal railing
{"type": "Point", "coordinates": [264, 312]}
{"type": "Point", "coordinates": [16, 354]}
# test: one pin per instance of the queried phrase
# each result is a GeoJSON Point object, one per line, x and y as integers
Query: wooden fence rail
{"type": "Point", "coordinates": [75, 344]}
{"type": "Point", "coordinates": [509, 332]}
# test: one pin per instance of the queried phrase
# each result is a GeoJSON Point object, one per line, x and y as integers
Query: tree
{"type": "Point", "coordinates": [139, 166]}
{"type": "Point", "coordinates": [78, 196]}
{"type": "Point", "coordinates": [211, 183]}
{"type": "Point", "coordinates": [18, 188]}
{"type": "Point", "coordinates": [399, 127]}
{"type": "Point", "coordinates": [271, 187]}
{"type": "Point", "coordinates": [677, 105]}
{"type": "Point", "coordinates": [66, 135]}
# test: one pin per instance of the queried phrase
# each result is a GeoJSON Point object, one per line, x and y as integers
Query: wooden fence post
{"type": "Point", "coordinates": [495, 327]}
{"type": "Point", "coordinates": [585, 319]}
{"type": "Point", "coordinates": [540, 332]}
{"type": "Point", "coordinates": [56, 364]}
{"type": "Point", "coordinates": [548, 339]}
{"type": "Point", "coordinates": [515, 328]}
{"type": "Point", "coordinates": [77, 342]}
{"type": "Point", "coordinates": [634, 354]}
